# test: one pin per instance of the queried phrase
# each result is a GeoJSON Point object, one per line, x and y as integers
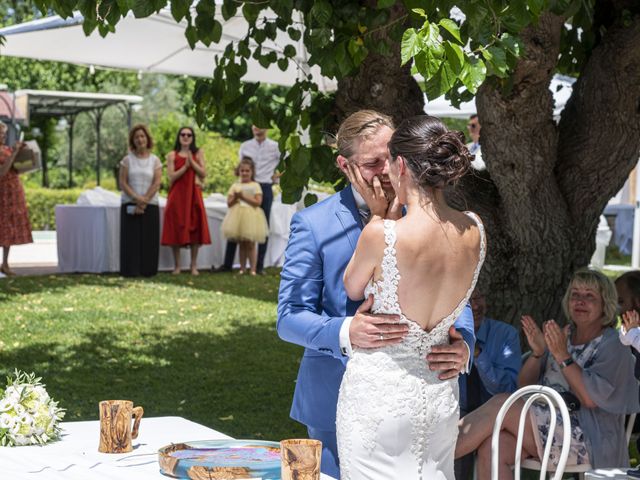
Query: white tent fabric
{"type": "Point", "coordinates": [155, 44]}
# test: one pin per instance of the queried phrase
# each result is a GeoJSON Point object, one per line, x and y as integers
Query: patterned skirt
{"type": "Point", "coordinates": [15, 228]}
{"type": "Point", "coordinates": [540, 417]}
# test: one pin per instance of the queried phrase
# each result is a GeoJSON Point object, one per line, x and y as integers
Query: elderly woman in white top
{"type": "Point", "coordinates": [140, 177]}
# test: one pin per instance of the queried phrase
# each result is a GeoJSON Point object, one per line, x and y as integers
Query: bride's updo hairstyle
{"type": "Point", "coordinates": [435, 156]}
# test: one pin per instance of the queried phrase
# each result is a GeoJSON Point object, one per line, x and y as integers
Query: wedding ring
{"type": "Point", "coordinates": [381, 336]}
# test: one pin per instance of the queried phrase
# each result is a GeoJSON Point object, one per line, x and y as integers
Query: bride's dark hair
{"type": "Point", "coordinates": [436, 156]}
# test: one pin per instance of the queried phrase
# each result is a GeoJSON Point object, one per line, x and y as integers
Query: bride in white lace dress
{"type": "Point", "coordinates": [395, 418]}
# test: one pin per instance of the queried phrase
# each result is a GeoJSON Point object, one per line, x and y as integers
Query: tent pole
{"type": "Point", "coordinates": [98, 120]}
{"type": "Point", "coordinates": [70, 120]}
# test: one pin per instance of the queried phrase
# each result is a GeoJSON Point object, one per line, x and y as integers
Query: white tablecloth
{"type": "Point", "coordinates": [607, 473]}
{"type": "Point", "coordinates": [88, 238]}
{"type": "Point", "coordinates": [76, 455]}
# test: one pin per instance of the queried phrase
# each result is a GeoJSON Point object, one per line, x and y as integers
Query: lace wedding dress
{"type": "Point", "coordinates": [395, 418]}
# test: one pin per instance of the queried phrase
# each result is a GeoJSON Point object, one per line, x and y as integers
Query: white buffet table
{"type": "Point", "coordinates": [76, 455]}
{"type": "Point", "coordinates": [88, 238]}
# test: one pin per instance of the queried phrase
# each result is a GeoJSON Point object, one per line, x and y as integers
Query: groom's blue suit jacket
{"type": "Point", "coordinates": [312, 303]}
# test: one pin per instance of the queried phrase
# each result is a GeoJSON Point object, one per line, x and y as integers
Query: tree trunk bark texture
{"type": "Point", "coordinates": [546, 184]}
{"type": "Point", "coordinates": [381, 84]}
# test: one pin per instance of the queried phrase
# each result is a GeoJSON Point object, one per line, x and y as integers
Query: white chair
{"type": "Point", "coordinates": [554, 400]}
{"type": "Point", "coordinates": [531, 464]}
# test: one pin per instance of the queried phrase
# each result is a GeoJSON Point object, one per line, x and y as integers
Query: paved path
{"type": "Point", "coordinates": [38, 258]}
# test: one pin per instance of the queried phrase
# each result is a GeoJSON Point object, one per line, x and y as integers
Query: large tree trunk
{"type": "Point", "coordinates": [546, 184]}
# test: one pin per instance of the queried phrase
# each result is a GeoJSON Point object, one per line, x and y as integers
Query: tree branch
{"type": "Point", "coordinates": [599, 131]}
{"type": "Point", "coordinates": [518, 136]}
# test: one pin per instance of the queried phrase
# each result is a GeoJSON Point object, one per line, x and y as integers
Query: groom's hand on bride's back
{"type": "Point", "coordinates": [449, 359]}
{"type": "Point", "coordinates": [368, 330]}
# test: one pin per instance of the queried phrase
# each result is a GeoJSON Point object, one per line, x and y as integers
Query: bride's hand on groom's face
{"type": "Point", "coordinates": [449, 359]}
{"type": "Point", "coordinates": [374, 331]}
{"type": "Point", "coordinates": [372, 194]}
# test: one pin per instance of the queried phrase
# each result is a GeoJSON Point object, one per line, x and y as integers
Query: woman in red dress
{"type": "Point", "coordinates": [15, 228]}
{"type": "Point", "coordinates": [185, 219]}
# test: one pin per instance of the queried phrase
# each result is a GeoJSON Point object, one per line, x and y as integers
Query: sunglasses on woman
{"type": "Point", "coordinates": [186, 134]}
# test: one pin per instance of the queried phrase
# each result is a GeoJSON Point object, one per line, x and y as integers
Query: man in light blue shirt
{"type": "Point", "coordinates": [496, 364]}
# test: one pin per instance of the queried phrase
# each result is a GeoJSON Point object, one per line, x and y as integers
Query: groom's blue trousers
{"type": "Point", "coordinates": [329, 463]}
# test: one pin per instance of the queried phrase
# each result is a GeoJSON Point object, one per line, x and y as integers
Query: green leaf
{"type": "Point", "coordinates": [451, 27]}
{"type": "Point", "coordinates": [357, 51]}
{"type": "Point", "coordinates": [243, 48]}
{"type": "Point", "coordinates": [259, 35]}
{"type": "Point", "coordinates": [271, 30]}
{"type": "Point", "coordinates": [473, 74]}
{"type": "Point", "coordinates": [385, 3]}
{"type": "Point", "coordinates": [192, 36]}
{"type": "Point", "coordinates": [419, 11]}
{"type": "Point", "coordinates": [497, 60]}
{"type": "Point", "coordinates": [179, 9]}
{"type": "Point", "coordinates": [343, 60]}
{"type": "Point", "coordinates": [229, 9]}
{"type": "Point", "coordinates": [250, 12]}
{"type": "Point", "coordinates": [320, 37]}
{"type": "Point", "coordinates": [289, 51]}
{"type": "Point", "coordinates": [260, 116]}
{"type": "Point", "coordinates": [283, 64]}
{"type": "Point", "coordinates": [441, 82]}
{"type": "Point", "coordinates": [216, 31]}
{"type": "Point", "coordinates": [430, 36]}
{"type": "Point", "coordinates": [294, 34]}
{"type": "Point", "coordinates": [321, 11]}
{"type": "Point", "coordinates": [455, 56]}
{"type": "Point", "coordinates": [300, 163]}
{"type": "Point", "coordinates": [142, 8]}
{"type": "Point", "coordinates": [310, 199]}
{"type": "Point", "coordinates": [512, 44]}
{"type": "Point", "coordinates": [536, 6]}
{"type": "Point", "coordinates": [410, 46]}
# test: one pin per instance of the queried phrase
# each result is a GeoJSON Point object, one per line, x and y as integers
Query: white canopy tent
{"type": "Point", "coordinates": [156, 44]}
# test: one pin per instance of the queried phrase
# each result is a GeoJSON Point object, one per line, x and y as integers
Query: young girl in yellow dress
{"type": "Point", "coordinates": [245, 222]}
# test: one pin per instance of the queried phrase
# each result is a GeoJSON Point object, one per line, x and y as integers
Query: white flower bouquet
{"type": "Point", "coordinates": [28, 416]}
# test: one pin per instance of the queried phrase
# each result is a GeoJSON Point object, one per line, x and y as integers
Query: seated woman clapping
{"type": "Point", "coordinates": [591, 369]}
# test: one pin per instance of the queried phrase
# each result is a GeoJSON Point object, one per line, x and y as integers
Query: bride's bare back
{"type": "Point", "coordinates": [437, 259]}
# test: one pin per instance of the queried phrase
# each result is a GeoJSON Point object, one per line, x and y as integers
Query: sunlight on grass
{"type": "Point", "coordinates": [204, 348]}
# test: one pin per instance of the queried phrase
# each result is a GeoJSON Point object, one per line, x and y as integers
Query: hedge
{"type": "Point", "coordinates": [42, 204]}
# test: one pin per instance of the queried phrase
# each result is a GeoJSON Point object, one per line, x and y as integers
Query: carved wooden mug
{"type": "Point", "coordinates": [115, 425]}
{"type": "Point", "coordinates": [300, 459]}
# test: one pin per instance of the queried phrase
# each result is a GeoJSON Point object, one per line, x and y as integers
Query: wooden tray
{"type": "Point", "coordinates": [221, 459]}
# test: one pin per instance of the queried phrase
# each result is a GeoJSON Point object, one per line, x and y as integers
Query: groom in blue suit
{"type": "Point", "coordinates": [314, 310]}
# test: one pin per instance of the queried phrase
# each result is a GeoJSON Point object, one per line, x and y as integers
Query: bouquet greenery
{"type": "Point", "coordinates": [28, 416]}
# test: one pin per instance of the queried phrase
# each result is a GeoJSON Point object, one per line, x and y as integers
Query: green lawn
{"type": "Point", "coordinates": [204, 348]}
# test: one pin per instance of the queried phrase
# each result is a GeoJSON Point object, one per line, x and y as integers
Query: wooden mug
{"type": "Point", "coordinates": [115, 425]}
{"type": "Point", "coordinates": [300, 459]}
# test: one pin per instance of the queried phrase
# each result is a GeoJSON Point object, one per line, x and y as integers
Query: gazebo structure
{"type": "Point", "coordinates": [68, 105]}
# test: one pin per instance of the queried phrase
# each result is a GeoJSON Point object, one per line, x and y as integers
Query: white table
{"type": "Point", "coordinates": [88, 238]}
{"type": "Point", "coordinates": [607, 473]}
{"type": "Point", "coordinates": [76, 455]}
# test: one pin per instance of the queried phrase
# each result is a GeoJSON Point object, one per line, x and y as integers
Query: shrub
{"type": "Point", "coordinates": [42, 204]}
{"type": "Point", "coordinates": [221, 158]}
